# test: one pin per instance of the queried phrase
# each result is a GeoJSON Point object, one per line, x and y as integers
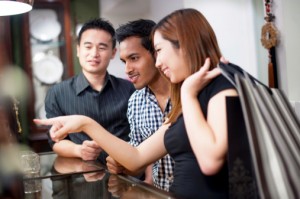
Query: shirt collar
{"type": "Point", "coordinates": [82, 83]}
{"type": "Point", "coordinates": [148, 94]}
{"type": "Point", "coordinates": [109, 78]}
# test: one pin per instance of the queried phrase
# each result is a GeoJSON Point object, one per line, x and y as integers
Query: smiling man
{"type": "Point", "coordinates": [149, 104]}
{"type": "Point", "coordinates": [93, 92]}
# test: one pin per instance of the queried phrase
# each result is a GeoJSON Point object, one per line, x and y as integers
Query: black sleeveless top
{"type": "Point", "coordinates": [189, 181]}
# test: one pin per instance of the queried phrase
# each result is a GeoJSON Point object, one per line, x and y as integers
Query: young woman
{"type": "Point", "coordinates": [195, 134]}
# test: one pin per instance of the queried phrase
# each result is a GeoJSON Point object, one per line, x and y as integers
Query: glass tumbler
{"type": "Point", "coordinates": [30, 163]}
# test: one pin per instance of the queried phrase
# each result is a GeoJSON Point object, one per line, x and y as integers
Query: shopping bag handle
{"type": "Point", "coordinates": [230, 70]}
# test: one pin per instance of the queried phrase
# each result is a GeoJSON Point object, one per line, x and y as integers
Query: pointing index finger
{"type": "Point", "coordinates": [46, 122]}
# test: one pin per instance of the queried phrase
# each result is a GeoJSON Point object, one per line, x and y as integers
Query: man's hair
{"type": "Point", "coordinates": [141, 28]}
{"type": "Point", "coordinates": [98, 24]}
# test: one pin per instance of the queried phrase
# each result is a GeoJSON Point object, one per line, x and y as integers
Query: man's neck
{"type": "Point", "coordinates": [162, 90]}
{"type": "Point", "coordinates": [95, 80]}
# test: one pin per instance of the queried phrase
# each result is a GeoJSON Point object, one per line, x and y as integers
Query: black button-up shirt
{"type": "Point", "coordinates": [108, 107]}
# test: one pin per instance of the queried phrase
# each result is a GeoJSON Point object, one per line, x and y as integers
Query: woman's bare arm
{"type": "Point", "coordinates": [208, 138]}
{"type": "Point", "coordinates": [132, 158]}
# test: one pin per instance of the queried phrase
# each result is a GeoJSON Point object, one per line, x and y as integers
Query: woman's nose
{"type": "Point", "coordinates": [157, 63]}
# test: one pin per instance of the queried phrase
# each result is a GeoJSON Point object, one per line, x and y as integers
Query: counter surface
{"type": "Point", "coordinates": [64, 178]}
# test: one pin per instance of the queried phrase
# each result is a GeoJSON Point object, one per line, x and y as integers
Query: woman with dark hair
{"type": "Point", "coordinates": [195, 134]}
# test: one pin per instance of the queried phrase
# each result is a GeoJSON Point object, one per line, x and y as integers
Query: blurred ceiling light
{"type": "Point", "coordinates": [15, 7]}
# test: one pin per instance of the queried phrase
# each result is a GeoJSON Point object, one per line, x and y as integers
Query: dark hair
{"type": "Point", "coordinates": [98, 24]}
{"type": "Point", "coordinates": [139, 28]}
{"type": "Point", "coordinates": [188, 30]}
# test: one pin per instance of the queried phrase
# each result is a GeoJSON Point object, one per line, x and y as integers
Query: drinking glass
{"type": "Point", "coordinates": [30, 163]}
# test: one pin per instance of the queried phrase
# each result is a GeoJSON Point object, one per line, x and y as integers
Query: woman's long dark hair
{"type": "Point", "coordinates": [188, 30]}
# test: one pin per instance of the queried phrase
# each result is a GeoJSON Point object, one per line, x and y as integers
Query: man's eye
{"type": "Point", "coordinates": [134, 58]}
{"type": "Point", "coordinates": [102, 48]}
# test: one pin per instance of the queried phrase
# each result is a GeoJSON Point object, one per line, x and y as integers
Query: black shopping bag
{"type": "Point", "coordinates": [242, 182]}
{"type": "Point", "coordinates": [272, 132]}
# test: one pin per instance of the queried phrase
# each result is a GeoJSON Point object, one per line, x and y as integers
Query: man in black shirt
{"type": "Point", "coordinates": [93, 92]}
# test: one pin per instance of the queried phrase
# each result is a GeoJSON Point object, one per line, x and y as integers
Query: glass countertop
{"type": "Point", "coordinates": [72, 178]}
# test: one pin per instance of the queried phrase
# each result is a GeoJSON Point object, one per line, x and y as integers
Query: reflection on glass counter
{"type": "Point", "coordinates": [71, 178]}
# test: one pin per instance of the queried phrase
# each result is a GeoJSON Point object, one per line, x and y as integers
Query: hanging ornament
{"type": "Point", "coordinates": [268, 35]}
{"type": "Point", "coordinates": [268, 39]}
{"type": "Point", "coordinates": [269, 31]}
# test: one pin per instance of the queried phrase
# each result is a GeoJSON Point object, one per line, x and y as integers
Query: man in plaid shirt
{"type": "Point", "coordinates": [150, 103]}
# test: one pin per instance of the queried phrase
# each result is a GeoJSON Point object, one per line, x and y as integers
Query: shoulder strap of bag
{"type": "Point", "coordinates": [230, 70]}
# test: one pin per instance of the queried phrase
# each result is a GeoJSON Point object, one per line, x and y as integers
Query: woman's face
{"type": "Point", "coordinates": [169, 59]}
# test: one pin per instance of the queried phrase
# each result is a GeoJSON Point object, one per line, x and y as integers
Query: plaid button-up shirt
{"type": "Point", "coordinates": [145, 117]}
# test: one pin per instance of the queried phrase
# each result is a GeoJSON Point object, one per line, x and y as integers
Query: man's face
{"type": "Point", "coordinates": [139, 63]}
{"type": "Point", "coordinates": [95, 51]}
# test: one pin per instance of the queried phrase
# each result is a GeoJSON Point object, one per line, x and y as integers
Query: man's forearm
{"type": "Point", "coordinates": [67, 148]}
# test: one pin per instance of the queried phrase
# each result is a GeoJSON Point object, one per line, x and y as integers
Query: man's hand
{"type": "Point", "coordinates": [113, 166]}
{"type": "Point", "coordinates": [148, 174]}
{"type": "Point", "coordinates": [90, 150]}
